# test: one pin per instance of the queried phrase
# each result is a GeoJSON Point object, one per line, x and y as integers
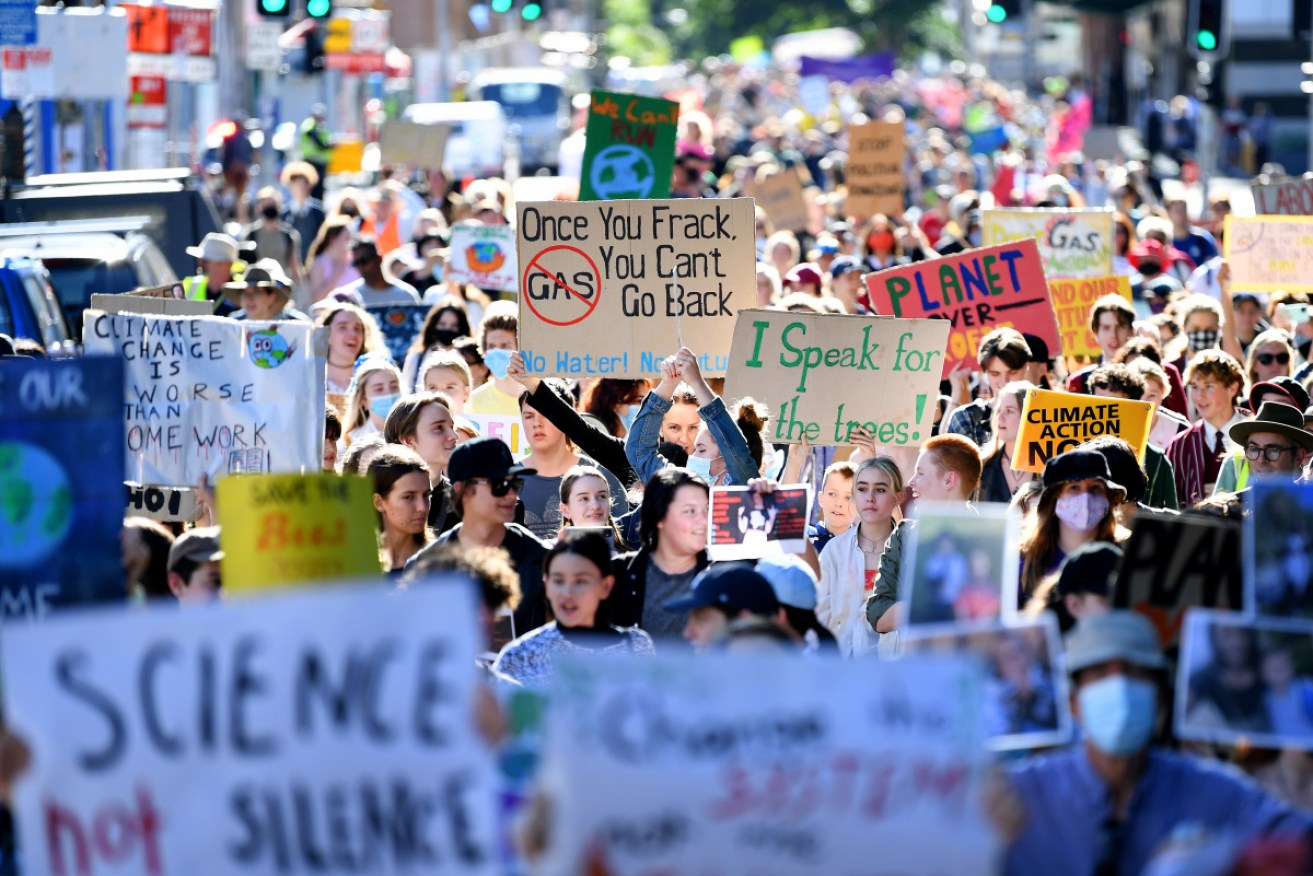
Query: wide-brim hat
{"type": "Point", "coordinates": [1276, 418]}
{"type": "Point", "coordinates": [215, 247]}
{"type": "Point", "coordinates": [264, 274]}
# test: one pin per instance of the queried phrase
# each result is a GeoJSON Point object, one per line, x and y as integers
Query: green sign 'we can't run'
{"type": "Point", "coordinates": [631, 147]}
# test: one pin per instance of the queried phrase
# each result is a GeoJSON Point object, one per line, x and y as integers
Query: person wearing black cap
{"type": "Point", "coordinates": [1040, 364]}
{"type": "Point", "coordinates": [486, 483]}
{"type": "Point", "coordinates": [1083, 585]}
{"type": "Point", "coordinates": [1074, 510]}
{"type": "Point", "coordinates": [1114, 380]}
{"type": "Point", "coordinates": [846, 284]}
{"type": "Point", "coordinates": [722, 594]}
{"type": "Point", "coordinates": [194, 574]}
{"type": "Point", "coordinates": [1111, 803]}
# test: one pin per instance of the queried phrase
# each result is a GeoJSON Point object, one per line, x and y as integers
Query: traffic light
{"type": "Point", "coordinates": [502, 6]}
{"type": "Point", "coordinates": [319, 8]}
{"type": "Point", "coordinates": [274, 8]}
{"type": "Point", "coordinates": [1000, 11]}
{"type": "Point", "coordinates": [531, 10]}
{"type": "Point", "coordinates": [1207, 36]}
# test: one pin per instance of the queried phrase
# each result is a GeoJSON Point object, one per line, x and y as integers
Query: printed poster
{"type": "Point", "coordinates": [483, 256]}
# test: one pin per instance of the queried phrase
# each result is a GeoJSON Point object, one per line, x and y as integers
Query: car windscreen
{"type": "Point", "coordinates": [76, 280]}
{"type": "Point", "coordinates": [522, 99]}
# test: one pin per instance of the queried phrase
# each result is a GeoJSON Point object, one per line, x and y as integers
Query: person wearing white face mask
{"type": "Point", "coordinates": [1076, 508]}
{"type": "Point", "coordinates": [1108, 804]}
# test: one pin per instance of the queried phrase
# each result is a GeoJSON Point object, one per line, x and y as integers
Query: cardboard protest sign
{"type": "Point", "coordinates": [1072, 243]}
{"type": "Point", "coordinates": [964, 564]}
{"type": "Point", "coordinates": [746, 525]}
{"type": "Point", "coordinates": [327, 732]}
{"type": "Point", "coordinates": [412, 144]}
{"type": "Point", "coordinates": [875, 176]}
{"type": "Point", "coordinates": [781, 195]}
{"type": "Point", "coordinates": [61, 484]}
{"type": "Point", "coordinates": [509, 430]}
{"type": "Point", "coordinates": [401, 325]}
{"type": "Point", "coordinates": [154, 305]}
{"type": "Point", "coordinates": [793, 775]}
{"type": "Point", "coordinates": [1283, 196]}
{"type": "Point", "coordinates": [162, 503]}
{"type": "Point", "coordinates": [483, 256]}
{"type": "Point", "coordinates": [294, 529]}
{"type": "Point", "coordinates": [1072, 302]}
{"type": "Point", "coordinates": [1274, 711]}
{"type": "Point", "coordinates": [1173, 562]}
{"type": "Point", "coordinates": [1026, 702]}
{"type": "Point", "coordinates": [806, 367]}
{"type": "Point", "coordinates": [977, 291]}
{"type": "Point", "coordinates": [611, 289]}
{"type": "Point", "coordinates": [206, 395]}
{"type": "Point", "coordinates": [1279, 553]}
{"type": "Point", "coordinates": [1270, 253]}
{"type": "Point", "coordinates": [1054, 422]}
{"type": "Point", "coordinates": [629, 147]}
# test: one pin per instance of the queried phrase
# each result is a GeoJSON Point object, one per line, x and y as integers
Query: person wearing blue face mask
{"type": "Point", "coordinates": [1109, 803]}
{"type": "Point", "coordinates": [500, 396]}
{"type": "Point", "coordinates": [374, 389]}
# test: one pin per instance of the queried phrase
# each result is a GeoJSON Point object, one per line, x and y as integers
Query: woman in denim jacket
{"type": "Point", "coordinates": [728, 449]}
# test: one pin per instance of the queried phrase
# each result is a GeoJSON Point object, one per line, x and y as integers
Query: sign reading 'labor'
{"type": "Point", "coordinates": [816, 360]}
{"type": "Point", "coordinates": [977, 291]}
{"type": "Point", "coordinates": [610, 289]}
{"type": "Point", "coordinates": [1055, 422]}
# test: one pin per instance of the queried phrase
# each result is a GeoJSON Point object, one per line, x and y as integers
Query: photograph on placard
{"type": "Point", "coordinates": [964, 564]}
{"type": "Point", "coordinates": [1026, 702]}
{"type": "Point", "coordinates": [747, 524]}
{"type": "Point", "coordinates": [1245, 681]}
{"type": "Point", "coordinates": [1279, 554]}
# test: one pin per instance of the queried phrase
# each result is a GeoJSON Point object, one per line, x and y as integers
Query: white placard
{"type": "Point", "coordinates": [240, 739]}
{"type": "Point", "coordinates": [262, 49]}
{"type": "Point", "coordinates": [211, 396]}
{"type": "Point", "coordinates": [507, 429]}
{"type": "Point", "coordinates": [754, 764]}
{"type": "Point", "coordinates": [484, 256]}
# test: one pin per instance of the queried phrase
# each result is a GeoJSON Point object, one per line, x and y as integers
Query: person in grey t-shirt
{"type": "Point", "coordinates": [375, 287]}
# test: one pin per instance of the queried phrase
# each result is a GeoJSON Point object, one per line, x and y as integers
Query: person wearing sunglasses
{"type": "Point", "coordinates": [1270, 356]}
{"type": "Point", "coordinates": [486, 485]}
{"type": "Point", "coordinates": [375, 287]}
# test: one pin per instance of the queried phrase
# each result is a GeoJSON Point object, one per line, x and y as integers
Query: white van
{"type": "Point", "coordinates": [536, 100]}
{"type": "Point", "coordinates": [479, 131]}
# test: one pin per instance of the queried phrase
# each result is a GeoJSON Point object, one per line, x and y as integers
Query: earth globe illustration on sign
{"type": "Point", "coordinates": [268, 348]}
{"type": "Point", "coordinates": [36, 504]}
{"type": "Point", "coordinates": [622, 171]}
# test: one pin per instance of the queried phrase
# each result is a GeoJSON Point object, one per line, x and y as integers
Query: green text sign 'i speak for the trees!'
{"type": "Point", "coordinates": [631, 147]}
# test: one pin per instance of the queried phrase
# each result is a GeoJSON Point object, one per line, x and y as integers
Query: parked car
{"type": "Point", "coordinates": [28, 307]}
{"type": "Point", "coordinates": [84, 257]}
{"type": "Point", "coordinates": [176, 205]}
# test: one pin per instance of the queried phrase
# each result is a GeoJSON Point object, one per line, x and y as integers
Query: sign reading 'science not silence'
{"type": "Point", "coordinates": [610, 289]}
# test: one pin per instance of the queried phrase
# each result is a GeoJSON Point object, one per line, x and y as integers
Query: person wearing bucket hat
{"type": "Point", "coordinates": [1111, 803]}
{"type": "Point", "coordinates": [1274, 442]}
{"type": "Point", "coordinates": [265, 293]}
{"type": "Point", "coordinates": [1074, 509]}
{"type": "Point", "coordinates": [485, 490]}
{"type": "Point", "coordinates": [216, 263]}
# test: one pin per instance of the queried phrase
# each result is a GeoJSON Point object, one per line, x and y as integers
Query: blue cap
{"type": "Point", "coordinates": [844, 265]}
{"type": "Point", "coordinates": [793, 581]}
{"type": "Point", "coordinates": [731, 587]}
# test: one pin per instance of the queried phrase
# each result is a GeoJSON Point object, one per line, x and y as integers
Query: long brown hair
{"type": "Point", "coordinates": [390, 465]}
{"type": "Point", "coordinates": [333, 227]}
{"type": "Point", "coordinates": [1039, 549]}
{"type": "Point", "coordinates": [604, 395]}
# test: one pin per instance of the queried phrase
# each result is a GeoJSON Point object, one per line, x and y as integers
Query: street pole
{"type": "Point", "coordinates": [442, 19]}
{"type": "Point", "coordinates": [1028, 43]}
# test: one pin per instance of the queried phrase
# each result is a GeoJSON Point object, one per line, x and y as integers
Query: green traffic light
{"type": "Point", "coordinates": [531, 12]}
{"type": "Point", "coordinates": [501, 5]}
{"type": "Point", "coordinates": [1207, 40]}
{"type": "Point", "coordinates": [274, 6]}
{"type": "Point", "coordinates": [318, 8]}
{"type": "Point", "coordinates": [997, 14]}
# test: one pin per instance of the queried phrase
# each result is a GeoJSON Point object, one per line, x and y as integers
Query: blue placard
{"type": "Point", "coordinates": [61, 484]}
{"type": "Point", "coordinates": [401, 324]}
{"type": "Point", "coordinates": [17, 22]}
